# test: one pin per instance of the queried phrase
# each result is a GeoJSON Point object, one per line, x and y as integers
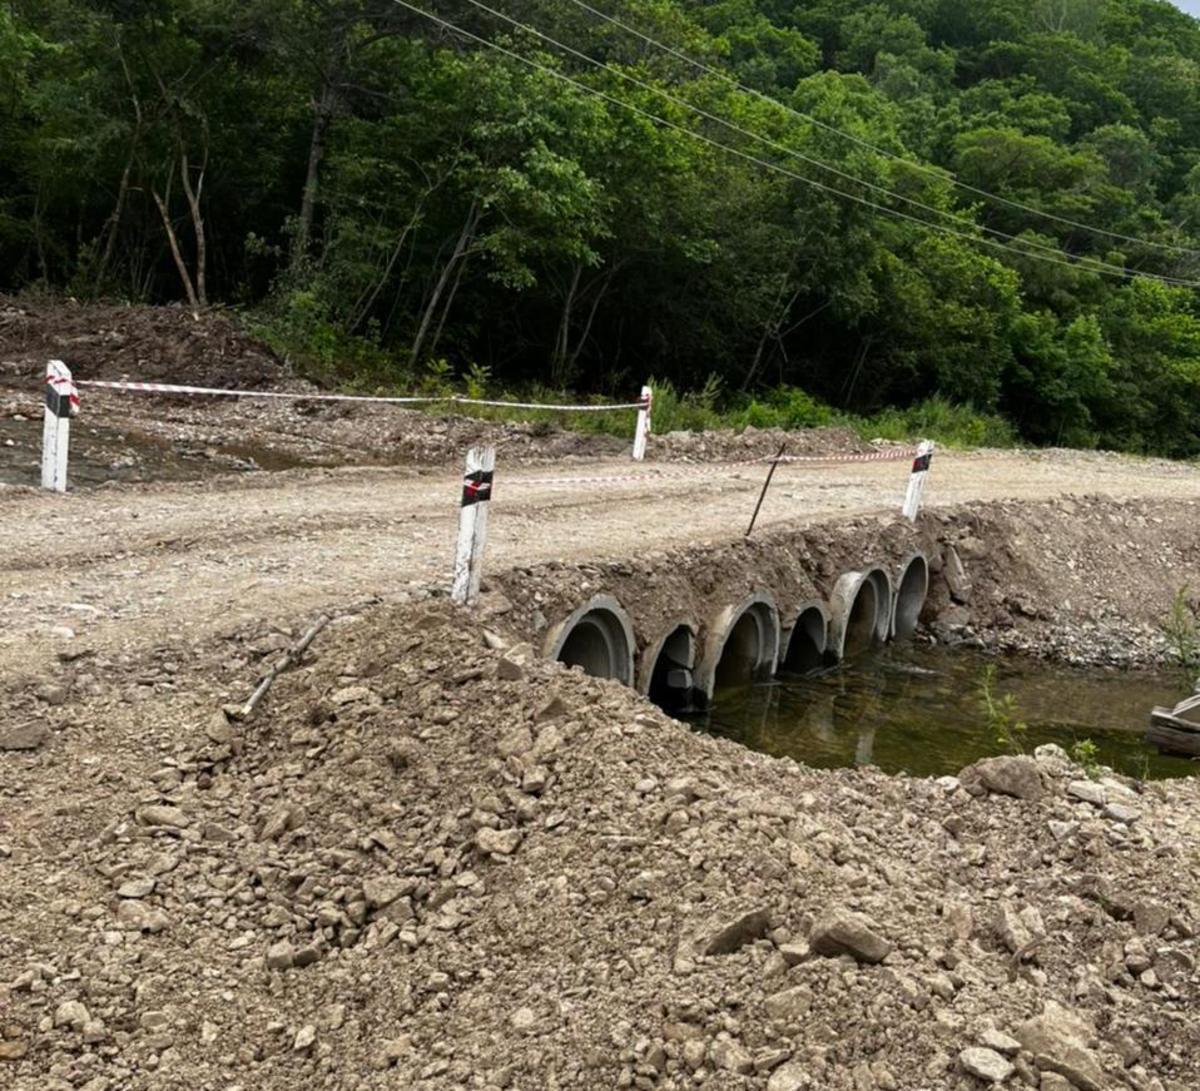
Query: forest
{"type": "Point", "coordinates": [826, 205]}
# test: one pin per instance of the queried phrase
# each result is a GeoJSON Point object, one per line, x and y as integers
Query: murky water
{"type": "Point", "coordinates": [919, 710]}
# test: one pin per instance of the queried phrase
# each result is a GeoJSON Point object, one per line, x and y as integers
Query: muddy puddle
{"type": "Point", "coordinates": [921, 710]}
{"type": "Point", "coordinates": [100, 455]}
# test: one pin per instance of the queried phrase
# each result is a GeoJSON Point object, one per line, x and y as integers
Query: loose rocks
{"type": "Point", "coordinates": [840, 932]}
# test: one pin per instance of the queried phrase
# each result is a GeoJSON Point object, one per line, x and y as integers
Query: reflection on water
{"type": "Point", "coordinates": [917, 710]}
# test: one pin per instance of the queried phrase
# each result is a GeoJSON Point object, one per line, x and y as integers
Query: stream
{"type": "Point", "coordinates": [920, 710]}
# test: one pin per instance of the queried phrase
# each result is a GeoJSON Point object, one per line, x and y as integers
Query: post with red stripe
{"type": "Point", "coordinates": [62, 403]}
{"type": "Point", "coordinates": [916, 480]}
{"type": "Point", "coordinates": [472, 524]}
{"type": "Point", "coordinates": [644, 423]}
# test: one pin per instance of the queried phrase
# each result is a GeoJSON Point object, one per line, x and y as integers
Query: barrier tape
{"type": "Point", "coordinates": [652, 475]}
{"type": "Point", "coordinates": [449, 399]}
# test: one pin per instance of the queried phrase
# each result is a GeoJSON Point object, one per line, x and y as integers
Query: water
{"type": "Point", "coordinates": [919, 710]}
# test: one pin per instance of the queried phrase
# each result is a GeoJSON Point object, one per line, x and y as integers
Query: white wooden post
{"type": "Point", "coordinates": [645, 423]}
{"type": "Point", "coordinates": [472, 524]}
{"type": "Point", "coordinates": [916, 480]}
{"type": "Point", "coordinates": [62, 402]}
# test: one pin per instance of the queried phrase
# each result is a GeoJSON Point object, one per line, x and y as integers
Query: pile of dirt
{"type": "Point", "coordinates": [171, 344]}
{"type": "Point", "coordinates": [151, 344]}
{"type": "Point", "coordinates": [434, 861]}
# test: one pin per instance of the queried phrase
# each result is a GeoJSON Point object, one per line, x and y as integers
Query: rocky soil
{"type": "Point", "coordinates": [431, 860]}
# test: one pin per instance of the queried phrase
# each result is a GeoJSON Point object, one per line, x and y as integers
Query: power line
{"type": "Point", "coordinates": [936, 172]}
{"type": "Point", "coordinates": [1093, 264]}
{"type": "Point", "coordinates": [746, 156]}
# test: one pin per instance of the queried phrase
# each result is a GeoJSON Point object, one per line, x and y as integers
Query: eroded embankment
{"type": "Point", "coordinates": [1080, 580]}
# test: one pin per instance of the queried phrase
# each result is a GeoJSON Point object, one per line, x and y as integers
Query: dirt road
{"type": "Point", "coordinates": [139, 566]}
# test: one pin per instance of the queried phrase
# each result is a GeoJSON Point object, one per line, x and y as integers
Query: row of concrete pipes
{"type": "Point", "coordinates": [691, 659]}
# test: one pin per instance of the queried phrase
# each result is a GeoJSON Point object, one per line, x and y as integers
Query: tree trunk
{"type": "Point", "coordinates": [323, 111]}
{"type": "Point", "coordinates": [605, 281]}
{"type": "Point", "coordinates": [173, 241]}
{"type": "Point", "coordinates": [460, 247]}
{"type": "Point", "coordinates": [437, 334]}
{"type": "Point", "coordinates": [194, 195]}
{"type": "Point", "coordinates": [112, 225]}
{"type": "Point", "coordinates": [558, 364]}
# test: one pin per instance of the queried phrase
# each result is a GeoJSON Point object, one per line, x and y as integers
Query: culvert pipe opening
{"type": "Point", "coordinates": [668, 673]}
{"type": "Point", "coordinates": [808, 640]}
{"type": "Point", "coordinates": [855, 610]}
{"type": "Point", "coordinates": [912, 588]}
{"type": "Point", "coordinates": [597, 638]}
{"type": "Point", "coordinates": [742, 646]}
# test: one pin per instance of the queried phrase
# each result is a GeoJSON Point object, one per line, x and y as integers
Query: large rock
{"type": "Point", "coordinates": [840, 932]}
{"type": "Point", "coordinates": [1018, 931]}
{"type": "Point", "coordinates": [499, 842]}
{"type": "Point", "coordinates": [728, 935]}
{"type": "Point", "coordinates": [791, 1077]}
{"type": "Point", "coordinates": [162, 815]}
{"type": "Point", "coordinates": [1058, 1041]}
{"type": "Point", "coordinates": [985, 1064]}
{"type": "Point", "coordinates": [1007, 775]}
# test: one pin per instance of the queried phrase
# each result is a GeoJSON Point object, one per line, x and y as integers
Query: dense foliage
{"type": "Point", "coordinates": [391, 197]}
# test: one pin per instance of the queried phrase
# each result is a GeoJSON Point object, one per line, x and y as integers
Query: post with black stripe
{"type": "Point", "coordinates": [916, 480]}
{"type": "Point", "coordinates": [62, 403]}
{"type": "Point", "coordinates": [472, 524]}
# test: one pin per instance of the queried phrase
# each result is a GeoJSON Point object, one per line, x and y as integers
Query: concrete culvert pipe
{"type": "Point", "coordinates": [854, 616]}
{"type": "Point", "coordinates": [912, 587]}
{"type": "Point", "coordinates": [667, 674]}
{"type": "Point", "coordinates": [598, 638]}
{"type": "Point", "coordinates": [807, 640]}
{"type": "Point", "coordinates": [883, 597]}
{"type": "Point", "coordinates": [742, 646]}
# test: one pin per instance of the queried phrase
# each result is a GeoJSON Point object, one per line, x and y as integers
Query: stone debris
{"type": "Point", "coordinates": [1088, 791]}
{"type": "Point", "coordinates": [1058, 1040]}
{"type": "Point", "coordinates": [28, 736]}
{"type": "Point", "coordinates": [445, 879]}
{"type": "Point", "coordinates": [839, 932]}
{"type": "Point", "coordinates": [985, 1064]}
{"type": "Point", "coordinates": [736, 933]}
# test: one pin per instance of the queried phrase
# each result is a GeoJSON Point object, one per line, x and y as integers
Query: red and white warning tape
{"type": "Point", "coordinates": [449, 399]}
{"type": "Point", "coordinates": [653, 474]}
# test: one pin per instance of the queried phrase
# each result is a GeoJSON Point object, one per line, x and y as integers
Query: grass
{"type": "Point", "coordinates": [303, 333]}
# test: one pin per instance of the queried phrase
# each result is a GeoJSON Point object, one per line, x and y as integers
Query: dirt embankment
{"type": "Point", "coordinates": [135, 437]}
{"type": "Point", "coordinates": [1087, 581]}
{"type": "Point", "coordinates": [433, 861]}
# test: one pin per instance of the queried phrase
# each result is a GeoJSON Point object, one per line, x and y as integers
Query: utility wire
{"type": "Point", "coordinates": [764, 163]}
{"type": "Point", "coordinates": [924, 168]}
{"type": "Point", "coordinates": [1093, 264]}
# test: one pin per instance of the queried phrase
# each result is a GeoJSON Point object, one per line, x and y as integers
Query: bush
{"type": "Point", "coordinates": [937, 419]}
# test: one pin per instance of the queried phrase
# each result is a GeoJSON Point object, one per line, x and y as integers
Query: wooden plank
{"type": "Point", "coordinates": [1171, 738]}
